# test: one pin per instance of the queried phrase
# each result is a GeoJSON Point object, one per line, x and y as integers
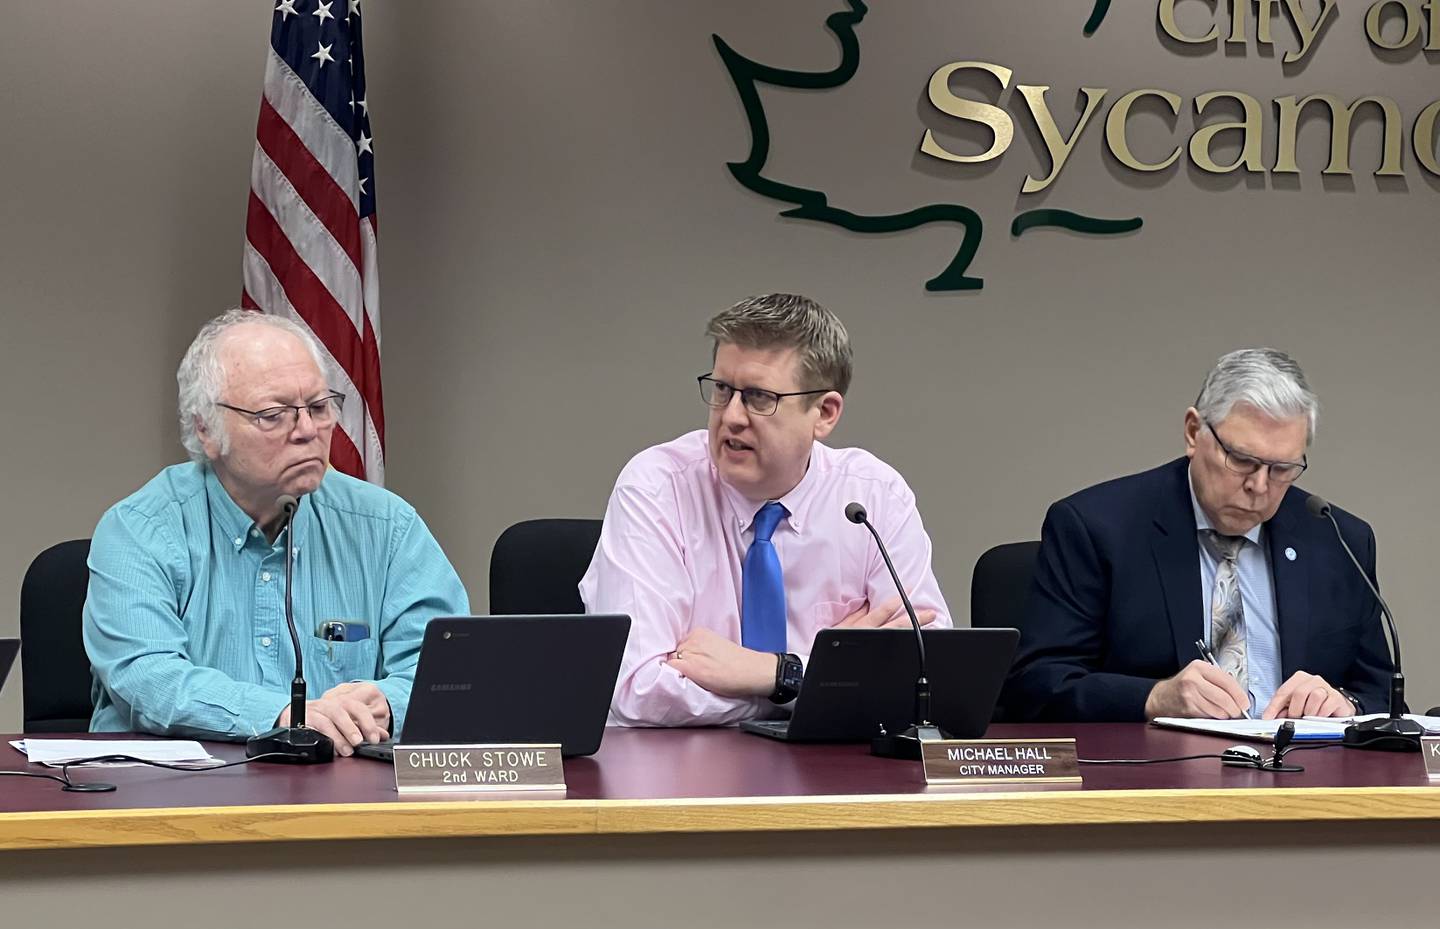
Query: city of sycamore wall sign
{"type": "Point", "coordinates": [1390, 26]}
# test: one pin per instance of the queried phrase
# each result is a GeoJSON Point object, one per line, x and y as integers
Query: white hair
{"type": "Point", "coordinates": [201, 377]}
{"type": "Point", "coordinates": [1265, 378]}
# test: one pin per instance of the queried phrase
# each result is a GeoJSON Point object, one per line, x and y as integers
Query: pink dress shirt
{"type": "Point", "coordinates": [673, 542]}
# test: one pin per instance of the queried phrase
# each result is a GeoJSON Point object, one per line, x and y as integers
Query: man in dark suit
{"type": "Point", "coordinates": [1214, 549]}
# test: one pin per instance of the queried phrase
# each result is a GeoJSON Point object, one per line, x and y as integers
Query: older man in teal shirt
{"type": "Point", "coordinates": [185, 620]}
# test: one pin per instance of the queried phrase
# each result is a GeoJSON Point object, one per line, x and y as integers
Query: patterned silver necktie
{"type": "Point", "coordinates": [1227, 614]}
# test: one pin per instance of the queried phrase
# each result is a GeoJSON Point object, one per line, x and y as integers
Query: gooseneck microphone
{"type": "Point", "coordinates": [1395, 733]}
{"type": "Point", "coordinates": [902, 744]}
{"type": "Point", "coordinates": [295, 743]}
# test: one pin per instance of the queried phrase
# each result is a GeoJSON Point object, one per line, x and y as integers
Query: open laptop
{"type": "Point", "coordinates": [9, 648]}
{"type": "Point", "coordinates": [528, 679]}
{"type": "Point", "coordinates": [860, 679]}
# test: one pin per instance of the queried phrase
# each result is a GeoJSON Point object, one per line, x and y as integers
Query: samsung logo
{"type": "Point", "coordinates": [448, 688]}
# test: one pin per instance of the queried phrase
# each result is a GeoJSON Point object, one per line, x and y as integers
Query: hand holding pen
{"type": "Point", "coordinates": [1208, 657]}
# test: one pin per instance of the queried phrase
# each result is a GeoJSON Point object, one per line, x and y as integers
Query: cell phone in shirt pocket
{"type": "Point", "coordinates": [336, 630]}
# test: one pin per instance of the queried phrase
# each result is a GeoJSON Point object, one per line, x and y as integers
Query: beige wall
{"type": "Point", "coordinates": [558, 222]}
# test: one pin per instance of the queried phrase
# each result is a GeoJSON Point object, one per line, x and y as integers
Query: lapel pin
{"type": "Point", "coordinates": [1290, 554]}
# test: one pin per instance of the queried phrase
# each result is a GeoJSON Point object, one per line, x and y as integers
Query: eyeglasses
{"type": "Point", "coordinates": [1283, 472]}
{"type": "Point", "coordinates": [757, 400]}
{"type": "Point", "coordinates": [322, 412]}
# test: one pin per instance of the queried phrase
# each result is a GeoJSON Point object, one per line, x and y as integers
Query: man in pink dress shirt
{"type": "Point", "coordinates": [689, 520]}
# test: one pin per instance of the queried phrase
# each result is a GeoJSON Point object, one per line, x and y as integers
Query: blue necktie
{"type": "Point", "coordinates": [762, 594]}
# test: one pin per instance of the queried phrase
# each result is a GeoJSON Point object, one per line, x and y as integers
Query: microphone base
{"type": "Point", "coordinates": [1385, 735]}
{"type": "Point", "coordinates": [906, 745]}
{"type": "Point", "coordinates": [292, 745]}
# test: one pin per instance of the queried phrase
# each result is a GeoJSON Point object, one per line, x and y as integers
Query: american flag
{"type": "Point", "coordinates": [310, 227]}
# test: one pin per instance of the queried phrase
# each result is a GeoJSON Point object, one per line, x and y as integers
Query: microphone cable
{"type": "Point", "coordinates": [97, 787]}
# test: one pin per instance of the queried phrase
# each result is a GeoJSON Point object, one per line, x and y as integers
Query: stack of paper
{"type": "Point", "coordinates": [1309, 729]}
{"type": "Point", "coordinates": [56, 752]}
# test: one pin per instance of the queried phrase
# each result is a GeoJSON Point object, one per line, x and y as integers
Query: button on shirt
{"type": "Point", "coordinates": [1257, 599]}
{"type": "Point", "coordinates": [671, 551]}
{"type": "Point", "coordinates": [184, 619]}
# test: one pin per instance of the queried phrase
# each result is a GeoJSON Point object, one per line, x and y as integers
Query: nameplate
{"type": "Point", "coordinates": [1000, 761]}
{"type": "Point", "coordinates": [432, 769]}
{"type": "Point", "coordinates": [1430, 751]}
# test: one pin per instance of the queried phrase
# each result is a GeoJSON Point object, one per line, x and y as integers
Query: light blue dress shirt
{"type": "Point", "coordinates": [1257, 599]}
{"type": "Point", "coordinates": [184, 619]}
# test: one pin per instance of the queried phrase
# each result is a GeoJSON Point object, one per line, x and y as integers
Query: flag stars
{"type": "Point", "coordinates": [364, 107]}
{"type": "Point", "coordinates": [323, 54]}
{"type": "Point", "coordinates": [363, 146]}
{"type": "Point", "coordinates": [322, 11]}
{"type": "Point", "coordinates": [286, 9]}
{"type": "Point", "coordinates": [354, 9]}
{"type": "Point", "coordinates": [363, 182]}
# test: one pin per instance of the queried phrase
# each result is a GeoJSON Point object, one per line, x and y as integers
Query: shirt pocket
{"type": "Point", "coordinates": [330, 663]}
{"type": "Point", "coordinates": [827, 615]}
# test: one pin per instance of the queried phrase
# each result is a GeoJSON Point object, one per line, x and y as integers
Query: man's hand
{"type": "Point", "coordinates": [1307, 694]}
{"type": "Point", "coordinates": [349, 714]}
{"type": "Point", "coordinates": [723, 667]}
{"type": "Point", "coordinates": [888, 615]}
{"type": "Point", "coordinates": [1199, 691]}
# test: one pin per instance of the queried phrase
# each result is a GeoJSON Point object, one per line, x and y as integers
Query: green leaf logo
{"type": "Point", "coordinates": [815, 205]}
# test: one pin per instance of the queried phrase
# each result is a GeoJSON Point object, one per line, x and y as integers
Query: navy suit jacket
{"type": "Point", "coordinates": [1116, 600]}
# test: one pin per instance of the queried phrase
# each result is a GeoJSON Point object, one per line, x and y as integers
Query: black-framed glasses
{"type": "Point", "coordinates": [1284, 472]}
{"type": "Point", "coordinates": [322, 412]}
{"type": "Point", "coordinates": [757, 400]}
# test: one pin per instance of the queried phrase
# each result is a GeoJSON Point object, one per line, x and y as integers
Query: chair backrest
{"type": "Point", "coordinates": [998, 589]}
{"type": "Point", "coordinates": [536, 566]}
{"type": "Point", "coordinates": [52, 654]}
{"type": "Point", "coordinates": [1001, 583]}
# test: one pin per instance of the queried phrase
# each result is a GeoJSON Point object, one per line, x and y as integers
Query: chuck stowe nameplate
{"type": "Point", "coordinates": [1001, 761]}
{"type": "Point", "coordinates": [435, 769]}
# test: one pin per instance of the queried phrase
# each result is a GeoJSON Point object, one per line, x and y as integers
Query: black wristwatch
{"type": "Point", "coordinates": [789, 672]}
{"type": "Point", "coordinates": [1354, 701]}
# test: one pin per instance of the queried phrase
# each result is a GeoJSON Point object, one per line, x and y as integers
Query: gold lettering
{"type": "Point", "coordinates": [1340, 119]}
{"type": "Point", "coordinates": [1265, 14]}
{"type": "Point", "coordinates": [1058, 146]}
{"type": "Point", "coordinates": [1412, 25]}
{"type": "Point", "coordinates": [996, 119]}
{"type": "Point", "coordinates": [1253, 128]}
{"type": "Point", "coordinates": [1172, 28]}
{"type": "Point", "coordinates": [1305, 29]}
{"type": "Point", "coordinates": [1115, 124]}
{"type": "Point", "coordinates": [1425, 141]}
{"type": "Point", "coordinates": [1237, 23]}
{"type": "Point", "coordinates": [1433, 8]}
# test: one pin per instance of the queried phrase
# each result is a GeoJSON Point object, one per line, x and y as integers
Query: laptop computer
{"type": "Point", "coordinates": [860, 679]}
{"type": "Point", "coordinates": [9, 648]}
{"type": "Point", "coordinates": [527, 679]}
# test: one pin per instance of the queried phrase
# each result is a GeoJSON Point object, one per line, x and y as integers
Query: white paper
{"type": "Point", "coordinates": [1311, 728]}
{"type": "Point", "coordinates": [55, 752]}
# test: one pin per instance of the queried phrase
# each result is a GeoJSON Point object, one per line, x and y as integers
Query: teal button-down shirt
{"type": "Point", "coordinates": [185, 615]}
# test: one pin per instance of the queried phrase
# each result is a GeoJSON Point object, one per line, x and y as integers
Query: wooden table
{"type": "Point", "coordinates": [703, 827]}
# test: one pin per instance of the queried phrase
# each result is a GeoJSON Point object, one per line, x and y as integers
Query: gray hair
{"type": "Point", "coordinates": [790, 321]}
{"type": "Point", "coordinates": [201, 377]}
{"type": "Point", "coordinates": [1265, 378]}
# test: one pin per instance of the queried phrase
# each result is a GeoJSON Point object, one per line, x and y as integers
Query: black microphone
{"type": "Point", "coordinates": [1396, 734]}
{"type": "Point", "coordinates": [903, 744]}
{"type": "Point", "coordinates": [295, 743]}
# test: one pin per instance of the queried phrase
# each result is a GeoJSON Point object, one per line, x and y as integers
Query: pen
{"type": "Point", "coordinates": [1209, 657]}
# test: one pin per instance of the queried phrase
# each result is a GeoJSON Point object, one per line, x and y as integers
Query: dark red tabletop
{"type": "Point", "coordinates": [637, 764]}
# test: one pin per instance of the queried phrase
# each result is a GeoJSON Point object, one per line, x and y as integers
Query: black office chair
{"type": "Point", "coordinates": [998, 589]}
{"type": "Point", "coordinates": [536, 566]}
{"type": "Point", "coordinates": [52, 654]}
{"type": "Point", "coordinates": [1001, 583]}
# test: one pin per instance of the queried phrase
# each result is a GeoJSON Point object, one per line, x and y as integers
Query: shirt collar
{"type": "Point", "coordinates": [1202, 522]}
{"type": "Point", "coordinates": [798, 502]}
{"type": "Point", "coordinates": [236, 525]}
